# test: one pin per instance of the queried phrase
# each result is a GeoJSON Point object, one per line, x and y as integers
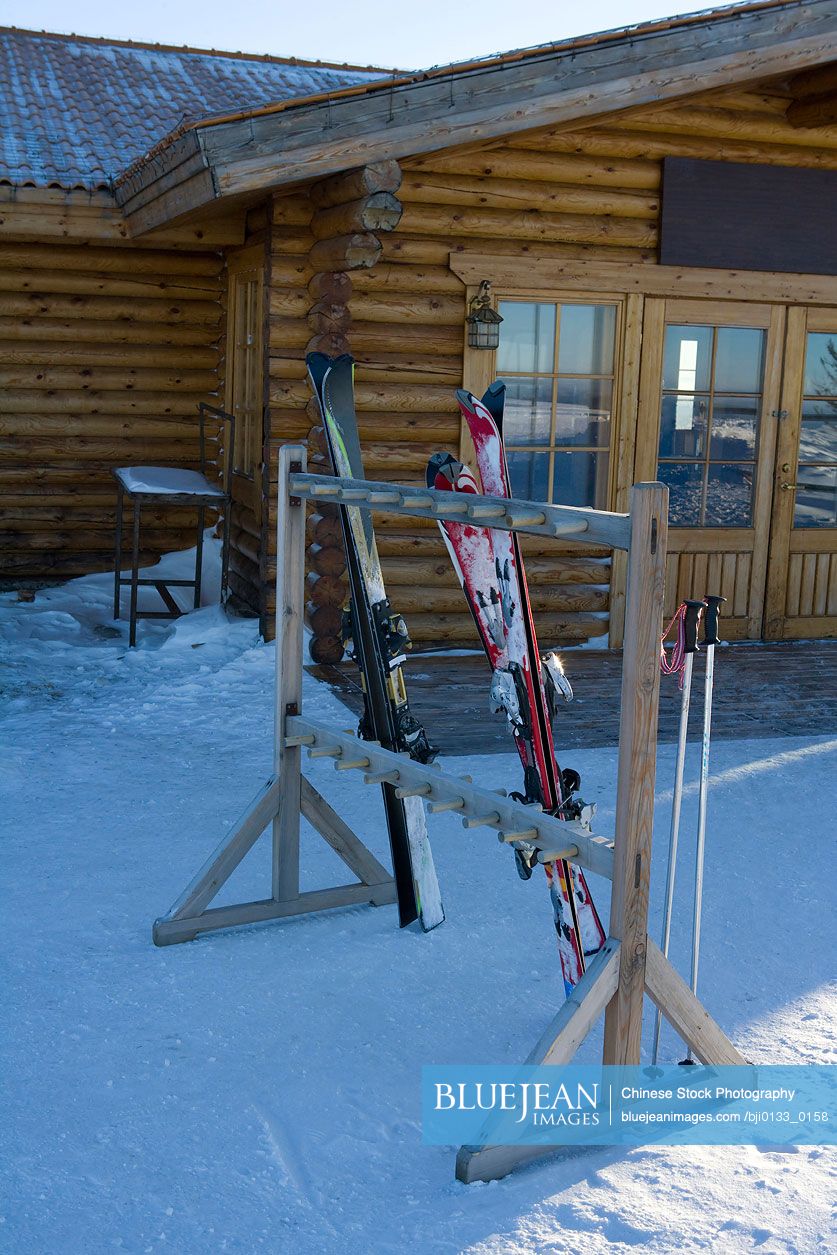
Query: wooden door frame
{"type": "Point", "coordinates": [660, 312]}
{"type": "Point", "coordinates": [246, 263]}
{"type": "Point", "coordinates": [785, 539]}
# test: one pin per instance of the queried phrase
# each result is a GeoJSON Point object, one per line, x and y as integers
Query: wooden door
{"type": "Point", "coordinates": [245, 379]}
{"type": "Point", "coordinates": [709, 395]}
{"type": "Point", "coordinates": [802, 578]}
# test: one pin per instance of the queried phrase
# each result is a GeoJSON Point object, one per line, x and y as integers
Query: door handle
{"type": "Point", "coordinates": [786, 487]}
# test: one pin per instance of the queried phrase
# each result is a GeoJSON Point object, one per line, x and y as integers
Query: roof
{"type": "Point", "coordinates": [75, 110]}
{"type": "Point", "coordinates": [569, 83]}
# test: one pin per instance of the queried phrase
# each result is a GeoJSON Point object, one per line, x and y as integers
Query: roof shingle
{"type": "Point", "coordinates": [74, 112]}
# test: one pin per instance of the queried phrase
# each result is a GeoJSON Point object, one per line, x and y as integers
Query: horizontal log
{"type": "Point", "coordinates": [290, 270]}
{"type": "Point", "coordinates": [516, 194]}
{"type": "Point", "coordinates": [326, 560]}
{"type": "Point", "coordinates": [428, 308]}
{"type": "Point", "coordinates": [93, 454]}
{"type": "Point", "coordinates": [198, 313]}
{"type": "Point", "coordinates": [398, 368]}
{"type": "Point", "coordinates": [323, 529]}
{"type": "Point", "coordinates": [408, 278]}
{"type": "Point", "coordinates": [329, 318]}
{"type": "Point", "coordinates": [42, 282]}
{"type": "Point", "coordinates": [291, 211]}
{"type": "Point", "coordinates": [573, 168]}
{"type": "Point", "coordinates": [127, 356]}
{"type": "Point", "coordinates": [514, 224]}
{"type": "Point", "coordinates": [99, 541]}
{"type": "Point", "coordinates": [245, 544]}
{"type": "Point", "coordinates": [340, 189]}
{"type": "Point", "coordinates": [331, 285]}
{"type": "Point", "coordinates": [723, 124]}
{"type": "Point", "coordinates": [357, 251]}
{"type": "Point", "coordinates": [554, 571]}
{"type": "Point", "coordinates": [457, 630]}
{"type": "Point", "coordinates": [78, 331]}
{"type": "Point", "coordinates": [372, 337]}
{"type": "Point", "coordinates": [287, 334]}
{"type": "Point", "coordinates": [323, 620]}
{"type": "Point", "coordinates": [658, 144]}
{"type": "Point", "coordinates": [242, 517]}
{"type": "Point", "coordinates": [113, 426]}
{"type": "Point", "coordinates": [421, 539]}
{"type": "Point", "coordinates": [98, 401]}
{"type": "Point", "coordinates": [326, 590]}
{"type": "Point", "coordinates": [451, 600]}
{"type": "Point", "coordinates": [120, 259]}
{"type": "Point", "coordinates": [245, 596]}
{"type": "Point", "coordinates": [379, 212]}
{"type": "Point", "coordinates": [289, 302]}
{"type": "Point", "coordinates": [325, 649]}
{"type": "Point", "coordinates": [107, 379]}
{"type": "Point", "coordinates": [27, 517]}
{"type": "Point", "coordinates": [331, 345]}
{"type": "Point", "coordinates": [436, 251]}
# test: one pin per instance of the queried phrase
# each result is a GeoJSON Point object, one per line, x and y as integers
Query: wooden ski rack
{"type": "Point", "coordinates": [630, 964]}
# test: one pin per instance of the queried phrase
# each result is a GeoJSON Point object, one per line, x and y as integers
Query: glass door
{"type": "Point", "coordinates": [802, 588]}
{"type": "Point", "coordinates": [707, 428]}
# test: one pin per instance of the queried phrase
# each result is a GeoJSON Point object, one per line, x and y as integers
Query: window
{"type": "Point", "coordinates": [816, 476]}
{"type": "Point", "coordinates": [712, 385]}
{"type": "Point", "coordinates": [557, 362]}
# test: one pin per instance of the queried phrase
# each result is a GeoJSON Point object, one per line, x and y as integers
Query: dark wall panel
{"type": "Point", "coordinates": [748, 217]}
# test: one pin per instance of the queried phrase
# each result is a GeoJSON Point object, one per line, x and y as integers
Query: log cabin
{"type": "Point", "coordinates": [653, 209]}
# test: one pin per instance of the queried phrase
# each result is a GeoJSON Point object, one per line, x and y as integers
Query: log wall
{"type": "Point", "coordinates": [105, 352]}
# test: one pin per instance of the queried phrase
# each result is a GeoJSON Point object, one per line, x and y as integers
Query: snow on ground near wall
{"type": "Point", "coordinates": [259, 1090]}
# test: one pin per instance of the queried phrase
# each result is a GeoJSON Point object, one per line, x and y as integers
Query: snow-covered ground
{"type": "Point", "coordinates": [259, 1090]}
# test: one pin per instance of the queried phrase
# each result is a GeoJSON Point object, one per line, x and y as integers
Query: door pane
{"type": "Point", "coordinates": [529, 475]}
{"type": "Point", "coordinates": [821, 365]}
{"type": "Point", "coordinates": [818, 439]}
{"type": "Point", "coordinates": [734, 422]}
{"type": "Point", "coordinates": [687, 365]}
{"type": "Point", "coordinates": [527, 338]}
{"type": "Point", "coordinates": [700, 420]}
{"type": "Point", "coordinates": [729, 494]}
{"type": "Point", "coordinates": [580, 479]}
{"type": "Point", "coordinates": [816, 497]}
{"type": "Point", "coordinates": [739, 359]}
{"type": "Point", "coordinates": [528, 413]}
{"type": "Point", "coordinates": [683, 426]}
{"type": "Point", "coordinates": [583, 412]}
{"type": "Point", "coordinates": [685, 484]}
{"type": "Point", "coordinates": [587, 338]}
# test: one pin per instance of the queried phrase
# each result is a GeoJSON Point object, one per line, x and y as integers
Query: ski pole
{"type": "Point", "coordinates": [710, 640]}
{"type": "Point", "coordinates": [690, 613]}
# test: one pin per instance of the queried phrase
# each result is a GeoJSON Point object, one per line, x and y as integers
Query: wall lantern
{"type": "Point", "coordinates": [483, 321]}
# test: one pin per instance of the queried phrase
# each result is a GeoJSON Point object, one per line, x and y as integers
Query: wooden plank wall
{"type": "Point", "coordinates": [586, 194]}
{"type": "Point", "coordinates": [105, 352]}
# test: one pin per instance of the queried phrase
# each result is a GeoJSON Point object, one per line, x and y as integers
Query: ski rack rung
{"type": "Point", "coordinates": [477, 806]}
{"type": "Point", "coordinates": [595, 527]}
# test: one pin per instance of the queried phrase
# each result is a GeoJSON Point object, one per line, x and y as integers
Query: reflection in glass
{"type": "Point", "coordinates": [739, 359]}
{"type": "Point", "coordinates": [684, 481]}
{"type": "Point", "coordinates": [729, 493]}
{"type": "Point", "coordinates": [583, 412]}
{"type": "Point", "coordinates": [529, 475]}
{"type": "Point", "coordinates": [816, 497]}
{"type": "Point", "coordinates": [821, 365]}
{"type": "Point", "coordinates": [687, 364]}
{"type": "Point", "coordinates": [528, 412]}
{"type": "Point", "coordinates": [734, 422]}
{"type": "Point", "coordinates": [527, 338]}
{"type": "Point", "coordinates": [586, 339]}
{"type": "Point", "coordinates": [580, 479]}
{"type": "Point", "coordinates": [818, 439]}
{"type": "Point", "coordinates": [683, 426]}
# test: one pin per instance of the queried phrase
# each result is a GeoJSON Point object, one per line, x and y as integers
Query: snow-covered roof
{"type": "Point", "coordinates": [75, 111]}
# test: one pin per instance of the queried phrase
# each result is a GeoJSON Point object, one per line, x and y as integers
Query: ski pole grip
{"type": "Point", "coordinates": [710, 619]}
{"type": "Point", "coordinates": [690, 625]}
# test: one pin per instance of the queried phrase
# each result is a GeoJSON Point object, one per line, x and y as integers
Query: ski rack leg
{"type": "Point", "coordinates": [282, 799]}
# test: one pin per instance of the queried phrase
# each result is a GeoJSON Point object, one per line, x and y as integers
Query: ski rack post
{"type": "Point", "coordinates": [630, 964]}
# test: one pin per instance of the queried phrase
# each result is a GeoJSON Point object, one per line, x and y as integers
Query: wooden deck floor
{"type": "Point", "coordinates": [760, 691]}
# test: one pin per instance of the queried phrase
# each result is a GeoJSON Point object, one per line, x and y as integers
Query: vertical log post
{"type": "Point", "coordinates": [637, 766]}
{"type": "Point", "coordinates": [290, 597]}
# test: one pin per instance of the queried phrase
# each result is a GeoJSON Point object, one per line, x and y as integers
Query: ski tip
{"type": "Point", "coordinates": [442, 467]}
